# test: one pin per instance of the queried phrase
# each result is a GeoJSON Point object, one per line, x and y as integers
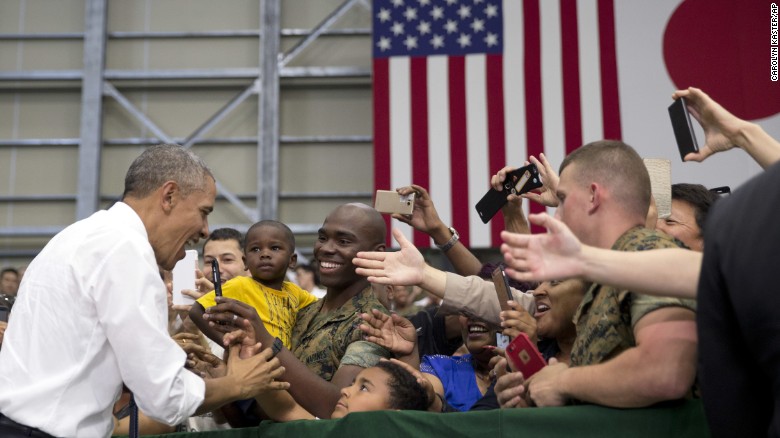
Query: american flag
{"type": "Point", "coordinates": [465, 87]}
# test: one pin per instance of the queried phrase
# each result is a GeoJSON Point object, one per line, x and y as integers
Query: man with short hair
{"type": "Point", "coordinates": [690, 205]}
{"type": "Point", "coordinates": [328, 349]}
{"type": "Point", "coordinates": [226, 246]}
{"type": "Point", "coordinates": [9, 284]}
{"type": "Point", "coordinates": [91, 314]}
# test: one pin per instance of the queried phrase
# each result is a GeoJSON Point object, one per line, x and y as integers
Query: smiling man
{"type": "Point", "coordinates": [92, 313]}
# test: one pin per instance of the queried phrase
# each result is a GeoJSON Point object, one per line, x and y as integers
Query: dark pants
{"type": "Point", "coordinates": [11, 429]}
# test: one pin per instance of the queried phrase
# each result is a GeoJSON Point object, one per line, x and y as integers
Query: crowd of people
{"type": "Point", "coordinates": [626, 310]}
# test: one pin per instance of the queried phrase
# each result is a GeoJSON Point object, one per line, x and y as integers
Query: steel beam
{"type": "Point", "coordinates": [268, 112]}
{"type": "Point", "coordinates": [91, 131]}
{"type": "Point", "coordinates": [324, 25]}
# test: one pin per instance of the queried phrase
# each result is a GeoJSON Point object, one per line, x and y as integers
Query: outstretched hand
{"type": "Point", "coordinates": [393, 332]}
{"type": "Point", "coordinates": [539, 257]}
{"type": "Point", "coordinates": [424, 216]}
{"type": "Point", "coordinates": [400, 268]}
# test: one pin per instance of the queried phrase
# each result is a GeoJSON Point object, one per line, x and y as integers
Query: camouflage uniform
{"type": "Point", "coordinates": [325, 341]}
{"type": "Point", "coordinates": [606, 317]}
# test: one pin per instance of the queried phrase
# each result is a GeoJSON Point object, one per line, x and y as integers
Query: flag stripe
{"type": "Point", "coordinates": [610, 100]}
{"type": "Point", "coordinates": [419, 121]}
{"type": "Point", "coordinates": [570, 66]}
{"type": "Point", "coordinates": [590, 71]}
{"type": "Point", "coordinates": [439, 138]}
{"type": "Point", "coordinates": [534, 122]}
{"type": "Point", "coordinates": [477, 151]}
{"type": "Point", "coordinates": [400, 126]}
{"type": "Point", "coordinates": [496, 135]}
{"type": "Point", "coordinates": [382, 127]}
{"type": "Point", "coordinates": [458, 147]}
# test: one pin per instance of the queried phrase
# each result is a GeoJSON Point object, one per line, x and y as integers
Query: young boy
{"type": "Point", "coordinates": [269, 249]}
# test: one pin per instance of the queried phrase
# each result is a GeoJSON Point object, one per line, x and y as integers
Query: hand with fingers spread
{"type": "Point", "coordinates": [403, 268]}
{"type": "Point", "coordinates": [510, 389]}
{"type": "Point", "coordinates": [518, 320]}
{"type": "Point", "coordinates": [538, 257]}
{"type": "Point", "coordinates": [394, 332]}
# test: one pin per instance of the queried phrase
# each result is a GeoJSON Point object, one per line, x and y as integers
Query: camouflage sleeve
{"type": "Point", "coordinates": [364, 354]}
{"type": "Point", "coordinates": [642, 304]}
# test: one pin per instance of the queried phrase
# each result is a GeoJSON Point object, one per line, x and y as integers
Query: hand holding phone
{"type": "Point", "coordinates": [215, 278]}
{"type": "Point", "coordinates": [524, 355]}
{"type": "Point", "coordinates": [517, 182]}
{"type": "Point", "coordinates": [390, 201]}
{"type": "Point", "coordinates": [184, 278]}
{"type": "Point", "coordinates": [683, 128]}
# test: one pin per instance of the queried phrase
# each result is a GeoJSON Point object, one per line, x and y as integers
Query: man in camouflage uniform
{"type": "Point", "coordinates": [631, 350]}
{"type": "Point", "coordinates": [328, 349]}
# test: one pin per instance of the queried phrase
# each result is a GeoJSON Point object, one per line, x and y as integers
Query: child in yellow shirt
{"type": "Point", "coordinates": [269, 250]}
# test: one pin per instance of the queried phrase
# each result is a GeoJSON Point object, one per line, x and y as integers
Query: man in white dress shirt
{"type": "Point", "coordinates": [92, 314]}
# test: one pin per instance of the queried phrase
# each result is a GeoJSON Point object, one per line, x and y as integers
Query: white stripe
{"type": "Point", "coordinates": [439, 137]}
{"type": "Point", "coordinates": [476, 126]}
{"type": "Point", "coordinates": [400, 131]}
{"type": "Point", "coordinates": [590, 71]}
{"type": "Point", "coordinates": [514, 85]}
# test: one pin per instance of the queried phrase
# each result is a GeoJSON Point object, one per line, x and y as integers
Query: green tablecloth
{"type": "Point", "coordinates": [685, 419]}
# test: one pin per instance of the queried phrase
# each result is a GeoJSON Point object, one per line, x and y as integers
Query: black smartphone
{"type": "Point", "coordinates": [517, 182]}
{"type": "Point", "coordinates": [215, 278]}
{"type": "Point", "coordinates": [721, 191]}
{"type": "Point", "coordinates": [683, 128]}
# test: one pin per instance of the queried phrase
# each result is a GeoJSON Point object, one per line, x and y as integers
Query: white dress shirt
{"type": "Point", "coordinates": [91, 314]}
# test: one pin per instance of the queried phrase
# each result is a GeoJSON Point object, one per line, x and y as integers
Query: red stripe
{"type": "Point", "coordinates": [610, 101]}
{"type": "Point", "coordinates": [570, 63]}
{"type": "Point", "coordinates": [459, 179]}
{"type": "Point", "coordinates": [532, 70]}
{"type": "Point", "coordinates": [494, 67]}
{"type": "Point", "coordinates": [418, 69]}
{"type": "Point", "coordinates": [382, 128]}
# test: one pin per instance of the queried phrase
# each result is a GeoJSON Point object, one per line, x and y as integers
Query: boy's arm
{"type": "Point", "coordinates": [196, 315]}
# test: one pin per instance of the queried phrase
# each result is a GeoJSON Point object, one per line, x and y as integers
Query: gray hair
{"type": "Point", "coordinates": [165, 162]}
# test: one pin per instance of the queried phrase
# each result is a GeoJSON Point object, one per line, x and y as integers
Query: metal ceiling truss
{"type": "Point", "coordinates": [95, 82]}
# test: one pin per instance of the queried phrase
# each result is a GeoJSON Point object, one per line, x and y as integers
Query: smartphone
{"type": "Point", "coordinates": [4, 312]}
{"type": "Point", "coordinates": [184, 277]}
{"type": "Point", "coordinates": [517, 182]}
{"type": "Point", "coordinates": [504, 295]}
{"type": "Point", "coordinates": [683, 128]}
{"type": "Point", "coordinates": [721, 191]}
{"type": "Point", "coordinates": [390, 201]}
{"type": "Point", "coordinates": [524, 356]}
{"type": "Point", "coordinates": [215, 278]}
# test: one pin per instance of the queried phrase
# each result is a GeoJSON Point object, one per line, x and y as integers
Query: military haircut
{"type": "Point", "coordinates": [617, 166]}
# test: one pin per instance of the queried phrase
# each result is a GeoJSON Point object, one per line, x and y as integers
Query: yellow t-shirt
{"type": "Point", "coordinates": [277, 309]}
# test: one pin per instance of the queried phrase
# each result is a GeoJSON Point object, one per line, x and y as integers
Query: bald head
{"type": "Point", "coordinates": [365, 217]}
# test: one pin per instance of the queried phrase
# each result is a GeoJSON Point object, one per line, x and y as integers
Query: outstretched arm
{"type": "Point", "coordinates": [558, 254]}
{"type": "Point", "coordinates": [425, 218]}
{"type": "Point", "coordinates": [723, 130]}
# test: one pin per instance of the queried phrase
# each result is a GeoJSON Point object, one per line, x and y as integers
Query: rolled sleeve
{"type": "Point", "coordinates": [477, 297]}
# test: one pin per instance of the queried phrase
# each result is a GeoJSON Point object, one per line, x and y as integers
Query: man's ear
{"type": "Point", "coordinates": [596, 194]}
{"type": "Point", "coordinates": [169, 194]}
{"type": "Point", "coordinates": [293, 261]}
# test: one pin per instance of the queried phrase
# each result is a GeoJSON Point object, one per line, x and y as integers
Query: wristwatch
{"type": "Point", "coordinates": [450, 243]}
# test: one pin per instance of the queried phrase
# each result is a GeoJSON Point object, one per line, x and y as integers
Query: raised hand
{"type": "Point", "coordinates": [518, 320]}
{"type": "Point", "coordinates": [719, 125]}
{"type": "Point", "coordinates": [539, 257]}
{"type": "Point", "coordinates": [402, 268]}
{"type": "Point", "coordinates": [510, 389]}
{"type": "Point", "coordinates": [394, 332]}
{"type": "Point", "coordinates": [545, 195]}
{"type": "Point", "coordinates": [424, 216]}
